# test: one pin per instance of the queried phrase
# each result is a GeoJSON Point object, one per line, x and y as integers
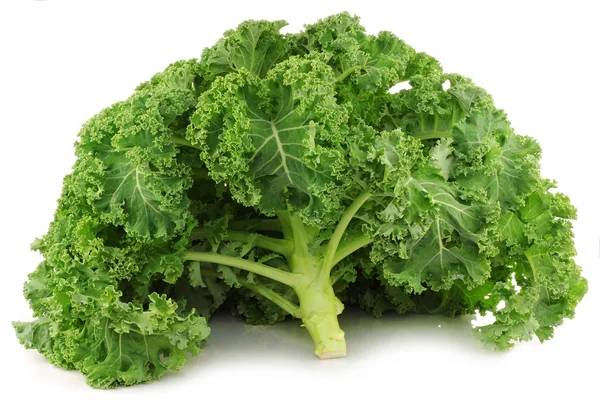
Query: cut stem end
{"type": "Point", "coordinates": [333, 347]}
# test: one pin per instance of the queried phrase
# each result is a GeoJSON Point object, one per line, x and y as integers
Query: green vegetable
{"type": "Point", "coordinates": [279, 177]}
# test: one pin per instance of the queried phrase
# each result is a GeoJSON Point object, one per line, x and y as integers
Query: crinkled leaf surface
{"type": "Point", "coordinates": [456, 218]}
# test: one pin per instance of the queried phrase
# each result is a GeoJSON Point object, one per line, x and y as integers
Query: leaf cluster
{"type": "Point", "coordinates": [204, 156]}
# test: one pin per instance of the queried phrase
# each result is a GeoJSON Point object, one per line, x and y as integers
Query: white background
{"type": "Point", "coordinates": [61, 62]}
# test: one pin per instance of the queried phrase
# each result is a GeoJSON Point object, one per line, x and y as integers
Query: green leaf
{"type": "Point", "coordinates": [442, 157]}
{"type": "Point", "coordinates": [272, 151]}
{"type": "Point", "coordinates": [473, 137]}
{"type": "Point", "coordinates": [228, 276]}
{"type": "Point", "coordinates": [433, 261]}
{"type": "Point", "coordinates": [255, 46]}
{"type": "Point", "coordinates": [505, 166]}
{"type": "Point", "coordinates": [127, 167]}
{"type": "Point", "coordinates": [438, 257]}
{"type": "Point", "coordinates": [511, 229]}
{"type": "Point", "coordinates": [195, 274]}
{"type": "Point", "coordinates": [113, 359]}
{"type": "Point", "coordinates": [294, 143]}
{"type": "Point", "coordinates": [129, 189]}
{"type": "Point", "coordinates": [35, 335]}
{"type": "Point", "coordinates": [370, 63]}
{"type": "Point", "coordinates": [467, 219]}
{"type": "Point", "coordinates": [541, 249]}
{"type": "Point", "coordinates": [466, 96]}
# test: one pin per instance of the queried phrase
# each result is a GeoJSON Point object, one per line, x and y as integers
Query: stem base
{"type": "Point", "coordinates": [319, 309]}
{"type": "Point", "coordinates": [332, 347]}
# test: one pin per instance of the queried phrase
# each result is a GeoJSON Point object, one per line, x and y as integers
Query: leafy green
{"type": "Point", "coordinates": [280, 177]}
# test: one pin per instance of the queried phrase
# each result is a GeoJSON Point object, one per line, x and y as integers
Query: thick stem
{"type": "Point", "coordinates": [309, 277]}
{"type": "Point", "coordinates": [293, 229]}
{"type": "Point", "coordinates": [319, 309]}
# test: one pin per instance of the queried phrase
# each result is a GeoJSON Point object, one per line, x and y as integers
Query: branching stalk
{"type": "Point", "coordinates": [349, 248]}
{"type": "Point", "coordinates": [300, 236]}
{"type": "Point", "coordinates": [328, 260]}
{"type": "Point", "coordinates": [287, 278]}
{"type": "Point", "coordinates": [285, 224]}
{"type": "Point", "coordinates": [347, 73]}
{"type": "Point", "coordinates": [273, 296]}
{"type": "Point", "coordinates": [264, 291]}
{"type": "Point", "coordinates": [280, 246]}
{"type": "Point", "coordinates": [336, 275]}
{"type": "Point", "coordinates": [293, 229]}
{"type": "Point", "coordinates": [318, 306]}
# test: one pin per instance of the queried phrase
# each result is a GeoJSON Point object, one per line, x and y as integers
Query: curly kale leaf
{"type": "Point", "coordinates": [279, 176]}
